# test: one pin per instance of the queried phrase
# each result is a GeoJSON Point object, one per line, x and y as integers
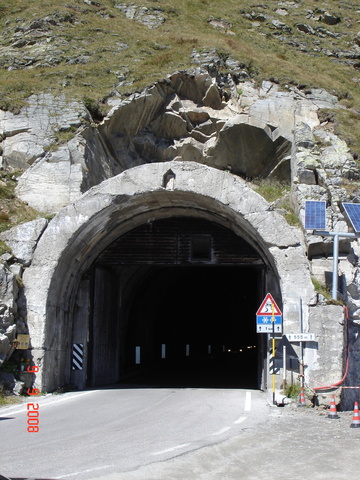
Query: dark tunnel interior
{"type": "Point", "coordinates": [174, 304]}
{"type": "Point", "coordinates": [195, 326]}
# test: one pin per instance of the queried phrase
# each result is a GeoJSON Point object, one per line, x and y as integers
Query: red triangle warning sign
{"type": "Point", "coordinates": [268, 307]}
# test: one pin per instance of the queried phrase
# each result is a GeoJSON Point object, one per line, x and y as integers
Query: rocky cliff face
{"type": "Point", "coordinates": [186, 116]}
{"type": "Point", "coordinates": [256, 132]}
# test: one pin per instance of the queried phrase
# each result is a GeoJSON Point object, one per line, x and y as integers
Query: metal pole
{"type": "Point", "coordinates": [335, 277]}
{"type": "Point", "coordinates": [336, 236]}
{"type": "Point", "coordinates": [273, 351]}
{"type": "Point", "coordinates": [301, 327]}
{"type": "Point", "coordinates": [284, 366]}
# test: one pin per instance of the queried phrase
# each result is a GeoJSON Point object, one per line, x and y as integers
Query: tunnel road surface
{"type": "Point", "coordinates": [84, 435]}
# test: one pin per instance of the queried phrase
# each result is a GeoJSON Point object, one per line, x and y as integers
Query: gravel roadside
{"type": "Point", "coordinates": [293, 444]}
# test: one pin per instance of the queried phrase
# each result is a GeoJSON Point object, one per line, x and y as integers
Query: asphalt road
{"type": "Point", "coordinates": [290, 443]}
{"type": "Point", "coordinates": [117, 431]}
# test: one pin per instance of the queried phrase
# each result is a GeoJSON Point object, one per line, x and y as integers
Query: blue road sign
{"type": "Point", "coordinates": [265, 324]}
{"type": "Point", "coordinates": [268, 319]}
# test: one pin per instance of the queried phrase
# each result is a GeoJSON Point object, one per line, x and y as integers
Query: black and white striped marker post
{"type": "Point", "coordinates": [77, 356]}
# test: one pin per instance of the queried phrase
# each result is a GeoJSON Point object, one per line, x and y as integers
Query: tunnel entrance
{"type": "Point", "coordinates": [174, 304]}
{"type": "Point", "coordinates": [196, 327]}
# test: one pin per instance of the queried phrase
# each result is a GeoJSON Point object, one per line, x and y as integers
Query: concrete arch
{"type": "Point", "coordinates": [81, 231]}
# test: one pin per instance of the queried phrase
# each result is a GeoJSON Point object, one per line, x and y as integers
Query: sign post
{"type": "Point", "coordinates": [273, 353]}
{"type": "Point", "coordinates": [269, 320]}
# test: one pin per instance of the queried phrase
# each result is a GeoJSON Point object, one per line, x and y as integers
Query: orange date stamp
{"type": "Point", "coordinates": [33, 421]}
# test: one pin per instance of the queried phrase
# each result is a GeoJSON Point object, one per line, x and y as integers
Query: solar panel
{"type": "Point", "coordinates": [352, 210]}
{"type": "Point", "coordinates": [315, 215]}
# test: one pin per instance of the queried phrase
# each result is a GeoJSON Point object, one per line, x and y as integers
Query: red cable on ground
{"type": "Point", "coordinates": [347, 357]}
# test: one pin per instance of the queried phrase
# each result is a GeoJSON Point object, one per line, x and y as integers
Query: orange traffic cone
{"type": "Point", "coordinates": [302, 398]}
{"type": "Point", "coordinates": [333, 413]}
{"type": "Point", "coordinates": [356, 417]}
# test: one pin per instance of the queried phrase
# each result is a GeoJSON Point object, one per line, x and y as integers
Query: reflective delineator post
{"type": "Point", "coordinates": [137, 355]}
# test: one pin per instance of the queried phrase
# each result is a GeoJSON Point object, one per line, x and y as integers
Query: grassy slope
{"type": "Point", "coordinates": [97, 30]}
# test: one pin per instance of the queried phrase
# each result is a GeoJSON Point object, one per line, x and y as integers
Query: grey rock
{"type": "Point", "coordinates": [254, 16]}
{"type": "Point", "coordinates": [23, 239]}
{"type": "Point", "coordinates": [330, 18]}
{"type": "Point", "coordinates": [27, 134]}
{"type": "Point", "coordinates": [302, 27]}
{"type": "Point", "coordinates": [212, 97]}
{"type": "Point", "coordinates": [184, 115]}
{"type": "Point", "coordinates": [19, 388]}
{"type": "Point", "coordinates": [219, 23]}
{"type": "Point", "coordinates": [170, 125]}
{"type": "Point", "coordinates": [8, 296]}
{"type": "Point", "coordinates": [303, 136]}
{"type": "Point", "coordinates": [151, 17]}
{"type": "Point", "coordinates": [21, 150]}
{"type": "Point", "coordinates": [234, 148]}
{"type": "Point", "coordinates": [6, 344]}
{"type": "Point", "coordinates": [280, 26]}
{"type": "Point", "coordinates": [51, 183]}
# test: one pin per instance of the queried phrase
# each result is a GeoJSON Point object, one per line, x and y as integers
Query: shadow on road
{"type": "Point", "coordinates": [22, 478]}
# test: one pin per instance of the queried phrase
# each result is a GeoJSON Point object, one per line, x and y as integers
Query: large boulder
{"type": "Point", "coordinates": [234, 148]}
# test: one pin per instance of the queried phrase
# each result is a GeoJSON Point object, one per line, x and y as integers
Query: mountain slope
{"type": "Point", "coordinates": [89, 48]}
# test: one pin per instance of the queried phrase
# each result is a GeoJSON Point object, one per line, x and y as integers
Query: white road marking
{"type": "Point", "coordinates": [223, 430]}
{"type": "Point", "coordinates": [240, 420]}
{"type": "Point", "coordinates": [84, 471]}
{"type": "Point", "coordinates": [171, 449]}
{"type": "Point", "coordinates": [36, 399]}
{"type": "Point", "coordinates": [247, 407]}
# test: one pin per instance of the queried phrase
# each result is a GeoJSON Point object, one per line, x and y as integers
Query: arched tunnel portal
{"type": "Point", "coordinates": [175, 268]}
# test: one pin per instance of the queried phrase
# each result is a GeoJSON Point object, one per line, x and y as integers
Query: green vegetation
{"type": "Point", "coordinates": [347, 127]}
{"type": "Point", "coordinates": [292, 219]}
{"type": "Point", "coordinates": [4, 248]}
{"type": "Point", "coordinates": [292, 391]}
{"type": "Point", "coordinates": [325, 292]}
{"type": "Point", "coordinates": [277, 192]}
{"type": "Point", "coordinates": [320, 288]}
{"type": "Point", "coordinates": [270, 189]}
{"type": "Point", "coordinates": [6, 400]}
{"type": "Point", "coordinates": [12, 210]}
{"type": "Point", "coordinates": [90, 45]}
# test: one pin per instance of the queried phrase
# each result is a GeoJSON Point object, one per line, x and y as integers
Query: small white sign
{"type": "Point", "coordinates": [301, 337]}
{"type": "Point", "coordinates": [277, 328]}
